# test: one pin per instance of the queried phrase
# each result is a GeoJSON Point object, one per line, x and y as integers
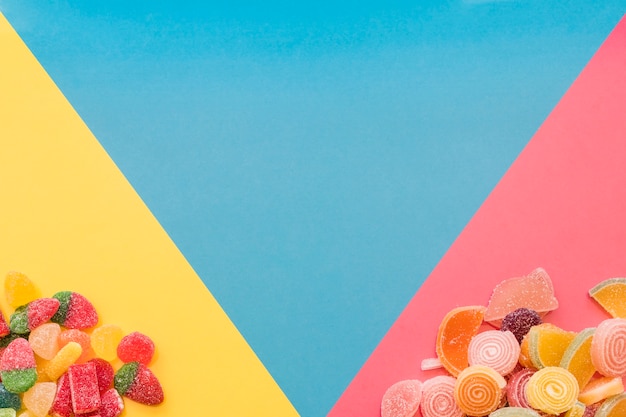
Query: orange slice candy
{"type": "Point", "coordinates": [577, 357]}
{"type": "Point", "coordinates": [600, 389]}
{"type": "Point", "coordinates": [454, 335]}
{"type": "Point", "coordinates": [613, 407]}
{"type": "Point", "coordinates": [533, 291]}
{"type": "Point", "coordinates": [547, 344]}
{"type": "Point", "coordinates": [611, 295]}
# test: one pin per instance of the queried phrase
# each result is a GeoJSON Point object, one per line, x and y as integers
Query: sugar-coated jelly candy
{"type": "Point", "coordinates": [75, 311]}
{"type": "Point", "coordinates": [533, 291]}
{"type": "Point", "coordinates": [64, 358]}
{"type": "Point", "coordinates": [438, 397]}
{"type": "Point", "coordinates": [614, 406]}
{"type": "Point", "coordinates": [516, 388]}
{"type": "Point", "coordinates": [494, 348]}
{"type": "Point", "coordinates": [112, 404]}
{"type": "Point", "coordinates": [454, 335]}
{"type": "Point", "coordinates": [611, 295]}
{"type": "Point", "coordinates": [7, 412]}
{"type": "Point", "coordinates": [9, 399]}
{"type": "Point", "coordinates": [38, 399]}
{"type": "Point", "coordinates": [515, 412]}
{"type": "Point", "coordinates": [547, 343]}
{"type": "Point", "coordinates": [608, 347]}
{"type": "Point", "coordinates": [4, 326]}
{"type": "Point", "coordinates": [104, 341]}
{"type": "Point", "coordinates": [80, 337]}
{"type": "Point", "coordinates": [135, 381]}
{"type": "Point", "coordinates": [552, 389]}
{"type": "Point", "coordinates": [479, 390]}
{"type": "Point", "coordinates": [29, 316]}
{"type": "Point", "coordinates": [19, 289]}
{"type": "Point", "coordinates": [62, 404]}
{"type": "Point", "coordinates": [577, 410]}
{"type": "Point", "coordinates": [105, 374]}
{"type": "Point", "coordinates": [600, 389]}
{"type": "Point", "coordinates": [44, 340]}
{"type": "Point", "coordinates": [520, 321]}
{"type": "Point", "coordinates": [402, 399]}
{"type": "Point", "coordinates": [18, 367]}
{"type": "Point", "coordinates": [577, 357]}
{"type": "Point", "coordinates": [84, 388]}
{"type": "Point", "coordinates": [135, 347]}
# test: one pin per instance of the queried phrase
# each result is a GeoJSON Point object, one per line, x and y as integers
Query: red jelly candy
{"type": "Point", "coordinates": [84, 388]}
{"type": "Point", "coordinates": [135, 347]}
{"type": "Point", "coordinates": [75, 311]}
{"type": "Point", "coordinates": [112, 404]}
{"type": "Point", "coordinates": [105, 374]}
{"type": "Point", "coordinates": [62, 404]}
{"type": "Point", "coordinates": [137, 382]}
{"type": "Point", "coordinates": [4, 326]}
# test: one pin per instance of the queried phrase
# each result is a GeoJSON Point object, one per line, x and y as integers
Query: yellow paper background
{"type": "Point", "coordinates": [71, 221]}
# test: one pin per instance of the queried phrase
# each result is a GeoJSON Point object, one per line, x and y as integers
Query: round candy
{"type": "Point", "coordinates": [135, 347]}
{"type": "Point", "coordinates": [608, 348]}
{"type": "Point", "coordinates": [479, 390]}
{"type": "Point", "coordinates": [552, 390]}
{"type": "Point", "coordinates": [516, 388]}
{"type": "Point", "coordinates": [438, 397]}
{"type": "Point", "coordinates": [520, 321]}
{"type": "Point", "coordinates": [402, 399]}
{"type": "Point", "coordinates": [495, 349]}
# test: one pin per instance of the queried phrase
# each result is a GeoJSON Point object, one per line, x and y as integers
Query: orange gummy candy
{"type": "Point", "coordinates": [547, 344]}
{"type": "Point", "coordinates": [611, 295]}
{"type": "Point", "coordinates": [455, 333]}
{"type": "Point", "coordinates": [533, 291]}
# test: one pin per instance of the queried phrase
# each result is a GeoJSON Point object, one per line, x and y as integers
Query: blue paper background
{"type": "Point", "coordinates": [313, 160]}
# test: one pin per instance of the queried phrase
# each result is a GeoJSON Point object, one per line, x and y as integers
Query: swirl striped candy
{"type": "Point", "coordinates": [514, 412]}
{"type": "Point", "coordinates": [516, 388]}
{"type": "Point", "coordinates": [479, 390]}
{"type": "Point", "coordinates": [552, 389]}
{"type": "Point", "coordinates": [438, 398]}
{"type": "Point", "coordinates": [496, 349]}
{"type": "Point", "coordinates": [608, 348]}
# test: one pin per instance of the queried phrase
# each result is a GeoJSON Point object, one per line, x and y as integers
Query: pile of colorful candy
{"type": "Point", "coordinates": [55, 361]}
{"type": "Point", "coordinates": [523, 367]}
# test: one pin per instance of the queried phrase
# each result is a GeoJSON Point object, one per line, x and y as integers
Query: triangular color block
{"type": "Point", "coordinates": [561, 206]}
{"type": "Point", "coordinates": [70, 221]}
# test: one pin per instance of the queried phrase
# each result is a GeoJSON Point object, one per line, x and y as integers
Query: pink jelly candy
{"type": "Point", "coordinates": [112, 404]}
{"type": "Point", "coordinates": [135, 347]}
{"type": "Point", "coordinates": [402, 399]}
{"type": "Point", "coordinates": [105, 374]}
{"type": "Point", "coordinates": [84, 388]}
{"type": "Point", "coordinates": [62, 404]}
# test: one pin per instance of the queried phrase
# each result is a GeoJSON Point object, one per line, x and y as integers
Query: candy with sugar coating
{"type": "Point", "coordinates": [135, 381]}
{"type": "Point", "coordinates": [29, 316]}
{"type": "Point", "coordinates": [9, 399]}
{"type": "Point", "coordinates": [4, 326]}
{"type": "Point", "coordinates": [80, 337]}
{"type": "Point", "coordinates": [7, 412]}
{"type": "Point", "coordinates": [44, 340]}
{"type": "Point", "coordinates": [520, 321]}
{"type": "Point", "coordinates": [84, 388]}
{"type": "Point", "coordinates": [19, 289]}
{"type": "Point", "coordinates": [18, 367]}
{"type": "Point", "coordinates": [105, 374]}
{"type": "Point", "coordinates": [62, 404]}
{"type": "Point", "coordinates": [112, 404]}
{"type": "Point", "coordinates": [608, 348]}
{"type": "Point", "coordinates": [402, 399]}
{"type": "Point", "coordinates": [39, 398]}
{"type": "Point", "coordinates": [66, 357]}
{"type": "Point", "coordinates": [135, 347]}
{"type": "Point", "coordinates": [75, 311]}
{"type": "Point", "coordinates": [104, 341]}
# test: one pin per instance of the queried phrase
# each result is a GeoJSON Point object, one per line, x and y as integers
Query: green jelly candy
{"type": "Point", "coordinates": [125, 376]}
{"type": "Point", "coordinates": [19, 320]}
{"type": "Point", "coordinates": [7, 412]}
{"type": "Point", "coordinates": [9, 399]}
{"type": "Point", "coordinates": [19, 380]}
{"type": "Point", "coordinates": [61, 315]}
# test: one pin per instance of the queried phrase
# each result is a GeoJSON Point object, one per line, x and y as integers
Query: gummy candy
{"type": "Point", "coordinates": [577, 410]}
{"type": "Point", "coordinates": [4, 326]}
{"type": "Point", "coordinates": [430, 364]}
{"type": "Point", "coordinates": [75, 311]}
{"type": "Point", "coordinates": [402, 399]}
{"type": "Point", "coordinates": [9, 399]}
{"type": "Point", "coordinates": [515, 412]}
{"type": "Point", "coordinates": [610, 294]}
{"type": "Point", "coordinates": [105, 374]}
{"type": "Point", "coordinates": [80, 337]}
{"type": "Point", "coordinates": [479, 390]}
{"type": "Point", "coordinates": [600, 389]}
{"type": "Point", "coordinates": [547, 344]}
{"type": "Point", "coordinates": [33, 314]}
{"type": "Point", "coordinates": [66, 357]}
{"type": "Point", "coordinates": [104, 341]}
{"type": "Point", "coordinates": [7, 412]}
{"type": "Point", "coordinates": [608, 347]}
{"type": "Point", "coordinates": [39, 398]}
{"type": "Point", "coordinates": [552, 389]}
{"type": "Point", "coordinates": [84, 388]}
{"type": "Point", "coordinates": [19, 289]}
{"type": "Point", "coordinates": [496, 349]}
{"type": "Point", "coordinates": [577, 357]}
{"type": "Point", "coordinates": [516, 388]}
{"type": "Point", "coordinates": [438, 398]}
{"type": "Point", "coordinates": [614, 406]}
{"type": "Point", "coordinates": [135, 381]}
{"type": "Point", "coordinates": [112, 404]}
{"type": "Point", "coordinates": [44, 340]}
{"type": "Point", "coordinates": [62, 404]}
{"type": "Point", "coordinates": [17, 366]}
{"type": "Point", "coordinates": [454, 335]}
{"type": "Point", "coordinates": [135, 347]}
{"type": "Point", "coordinates": [533, 291]}
{"type": "Point", "coordinates": [520, 321]}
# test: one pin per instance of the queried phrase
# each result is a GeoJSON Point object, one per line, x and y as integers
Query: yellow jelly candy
{"type": "Point", "coordinates": [19, 289]}
{"type": "Point", "coordinates": [611, 295]}
{"type": "Point", "coordinates": [600, 389]}
{"type": "Point", "coordinates": [552, 390]}
{"type": "Point", "coordinates": [66, 357]}
{"type": "Point", "coordinates": [614, 406]}
{"type": "Point", "coordinates": [577, 357]}
{"type": "Point", "coordinates": [38, 399]}
{"type": "Point", "coordinates": [578, 410]}
{"type": "Point", "coordinates": [104, 341]}
{"type": "Point", "coordinates": [547, 344]}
